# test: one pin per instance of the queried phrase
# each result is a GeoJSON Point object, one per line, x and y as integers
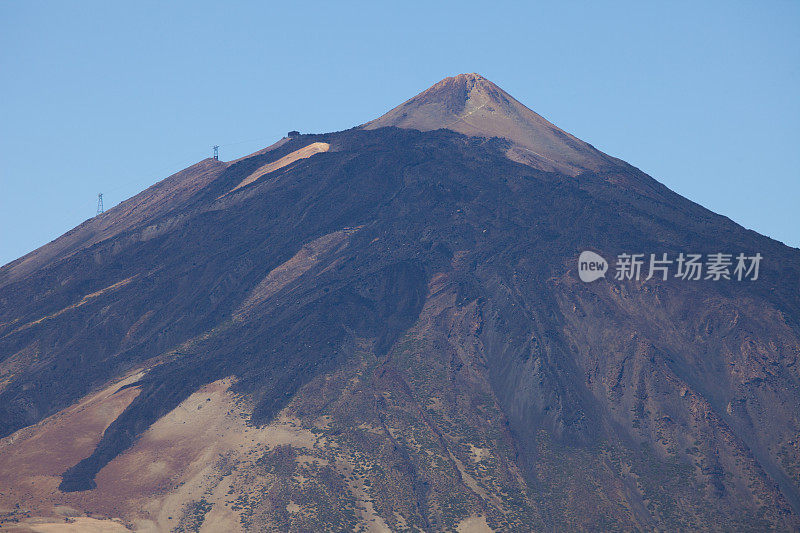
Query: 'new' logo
{"type": "Point", "coordinates": [591, 266]}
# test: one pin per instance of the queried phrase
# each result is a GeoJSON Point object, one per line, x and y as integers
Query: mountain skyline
{"type": "Point", "coordinates": [383, 328]}
{"type": "Point", "coordinates": [713, 116]}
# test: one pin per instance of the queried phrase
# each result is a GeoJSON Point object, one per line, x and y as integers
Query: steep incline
{"type": "Point", "coordinates": [473, 105]}
{"type": "Point", "coordinates": [391, 332]}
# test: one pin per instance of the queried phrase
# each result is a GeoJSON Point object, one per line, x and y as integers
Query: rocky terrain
{"type": "Point", "coordinates": [383, 329]}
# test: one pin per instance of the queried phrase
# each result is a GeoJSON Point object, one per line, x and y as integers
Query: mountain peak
{"type": "Point", "coordinates": [473, 105]}
{"type": "Point", "coordinates": [388, 330]}
{"type": "Point", "coordinates": [461, 82]}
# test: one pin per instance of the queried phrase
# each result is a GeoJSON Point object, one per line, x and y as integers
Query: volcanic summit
{"type": "Point", "coordinates": [383, 329]}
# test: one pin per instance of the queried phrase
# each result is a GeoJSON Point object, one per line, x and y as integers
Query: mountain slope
{"type": "Point", "coordinates": [472, 105]}
{"type": "Point", "coordinates": [391, 333]}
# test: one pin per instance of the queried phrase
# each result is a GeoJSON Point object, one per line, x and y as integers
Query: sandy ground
{"type": "Point", "coordinates": [176, 462]}
{"type": "Point", "coordinates": [474, 524]}
{"type": "Point", "coordinates": [81, 524]}
{"type": "Point", "coordinates": [32, 459]}
{"type": "Point", "coordinates": [302, 153]}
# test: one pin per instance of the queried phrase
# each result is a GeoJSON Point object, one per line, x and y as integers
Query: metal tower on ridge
{"type": "Point", "coordinates": [100, 208]}
{"type": "Point", "coordinates": [216, 152]}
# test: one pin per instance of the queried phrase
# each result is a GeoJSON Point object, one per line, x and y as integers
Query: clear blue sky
{"type": "Point", "coordinates": [114, 96]}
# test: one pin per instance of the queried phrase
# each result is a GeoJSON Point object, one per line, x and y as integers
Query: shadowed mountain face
{"type": "Point", "coordinates": [384, 327]}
